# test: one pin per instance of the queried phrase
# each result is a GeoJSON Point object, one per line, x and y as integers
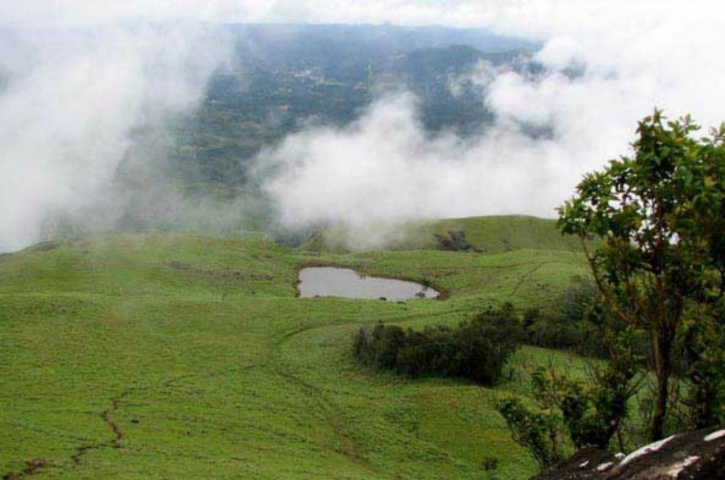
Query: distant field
{"type": "Point", "coordinates": [176, 356]}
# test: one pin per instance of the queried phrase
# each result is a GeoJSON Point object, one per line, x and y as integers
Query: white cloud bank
{"type": "Point", "coordinates": [70, 103]}
{"type": "Point", "coordinates": [632, 56]}
{"type": "Point", "coordinates": [383, 168]}
{"type": "Point", "coordinates": [65, 115]}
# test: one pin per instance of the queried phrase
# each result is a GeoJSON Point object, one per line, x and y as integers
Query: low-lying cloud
{"type": "Point", "coordinates": [72, 102]}
{"type": "Point", "coordinates": [385, 169]}
{"type": "Point", "coordinates": [604, 68]}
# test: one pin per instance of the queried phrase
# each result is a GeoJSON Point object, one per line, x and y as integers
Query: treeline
{"type": "Point", "coordinates": [476, 349]}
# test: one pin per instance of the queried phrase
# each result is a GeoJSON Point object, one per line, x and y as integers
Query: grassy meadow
{"type": "Point", "coordinates": [179, 356]}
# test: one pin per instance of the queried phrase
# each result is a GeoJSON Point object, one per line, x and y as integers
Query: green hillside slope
{"type": "Point", "coordinates": [491, 234]}
{"type": "Point", "coordinates": [172, 356]}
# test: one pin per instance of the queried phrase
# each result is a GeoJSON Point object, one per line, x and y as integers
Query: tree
{"type": "Point", "coordinates": [659, 266]}
{"type": "Point", "coordinates": [565, 411]}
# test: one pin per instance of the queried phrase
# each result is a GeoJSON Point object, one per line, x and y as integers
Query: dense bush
{"type": "Point", "coordinates": [476, 349]}
{"type": "Point", "coordinates": [553, 330]}
{"type": "Point", "coordinates": [566, 327]}
{"type": "Point", "coordinates": [575, 324]}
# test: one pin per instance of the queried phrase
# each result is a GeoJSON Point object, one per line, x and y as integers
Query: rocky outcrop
{"type": "Point", "coordinates": [698, 455]}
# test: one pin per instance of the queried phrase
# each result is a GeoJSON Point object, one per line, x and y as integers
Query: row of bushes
{"type": "Point", "coordinates": [477, 349]}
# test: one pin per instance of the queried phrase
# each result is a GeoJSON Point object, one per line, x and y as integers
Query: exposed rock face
{"type": "Point", "coordinates": [698, 455]}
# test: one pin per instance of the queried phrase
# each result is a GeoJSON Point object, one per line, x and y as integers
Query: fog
{"type": "Point", "coordinates": [82, 81]}
{"type": "Point", "coordinates": [73, 104]}
{"type": "Point", "coordinates": [605, 67]}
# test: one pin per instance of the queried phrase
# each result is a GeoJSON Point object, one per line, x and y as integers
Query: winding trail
{"type": "Point", "coordinates": [31, 467]}
{"type": "Point", "coordinates": [332, 414]}
{"type": "Point", "coordinates": [38, 465]}
{"type": "Point", "coordinates": [105, 415]}
{"type": "Point", "coordinates": [526, 276]}
{"type": "Point", "coordinates": [347, 445]}
{"type": "Point", "coordinates": [117, 432]}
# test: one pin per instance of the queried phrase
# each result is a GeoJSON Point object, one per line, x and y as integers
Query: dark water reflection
{"type": "Point", "coordinates": [344, 282]}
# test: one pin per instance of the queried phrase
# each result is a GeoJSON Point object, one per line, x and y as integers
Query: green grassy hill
{"type": "Point", "coordinates": [176, 356]}
{"type": "Point", "coordinates": [493, 234]}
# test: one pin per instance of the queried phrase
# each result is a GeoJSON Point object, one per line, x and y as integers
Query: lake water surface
{"type": "Point", "coordinates": [347, 283]}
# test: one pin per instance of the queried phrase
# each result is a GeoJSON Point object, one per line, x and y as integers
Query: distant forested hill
{"type": "Point", "coordinates": [285, 76]}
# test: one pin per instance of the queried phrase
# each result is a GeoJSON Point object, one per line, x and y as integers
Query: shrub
{"type": "Point", "coordinates": [477, 349]}
{"type": "Point", "coordinates": [537, 431]}
{"type": "Point", "coordinates": [453, 241]}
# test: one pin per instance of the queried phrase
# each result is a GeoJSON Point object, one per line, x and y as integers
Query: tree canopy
{"type": "Point", "coordinates": [660, 265]}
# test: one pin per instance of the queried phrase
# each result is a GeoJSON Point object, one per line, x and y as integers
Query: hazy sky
{"type": "Point", "coordinates": [72, 99]}
{"type": "Point", "coordinates": [537, 17]}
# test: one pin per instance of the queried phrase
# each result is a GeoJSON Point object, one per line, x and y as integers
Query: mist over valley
{"type": "Point", "coordinates": [288, 127]}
